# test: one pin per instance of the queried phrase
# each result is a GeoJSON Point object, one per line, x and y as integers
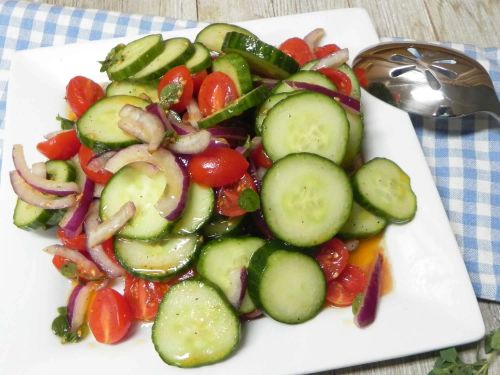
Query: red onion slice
{"type": "Point", "coordinates": [368, 309]}
{"type": "Point", "coordinates": [157, 110]}
{"type": "Point", "coordinates": [260, 223]}
{"type": "Point", "coordinates": [230, 133]}
{"type": "Point", "coordinates": [238, 279]}
{"type": "Point", "coordinates": [333, 60]}
{"type": "Point", "coordinates": [81, 301]}
{"type": "Point", "coordinates": [255, 314]}
{"type": "Point", "coordinates": [41, 184]}
{"type": "Point", "coordinates": [180, 127]}
{"type": "Point", "coordinates": [84, 267]}
{"type": "Point", "coordinates": [98, 162]}
{"type": "Point", "coordinates": [97, 232]}
{"type": "Point", "coordinates": [97, 253]}
{"type": "Point", "coordinates": [192, 143]}
{"type": "Point", "coordinates": [312, 39]}
{"type": "Point", "coordinates": [142, 125]}
{"type": "Point", "coordinates": [347, 102]}
{"type": "Point", "coordinates": [71, 301]}
{"type": "Point", "coordinates": [39, 169]}
{"type": "Point", "coordinates": [73, 218]}
{"type": "Point", "coordinates": [194, 113]}
{"type": "Point", "coordinates": [32, 196]}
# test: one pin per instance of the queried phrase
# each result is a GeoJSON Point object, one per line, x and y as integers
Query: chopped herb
{"type": "Point", "coordinates": [170, 94]}
{"type": "Point", "coordinates": [66, 124]}
{"type": "Point", "coordinates": [61, 328]}
{"type": "Point", "coordinates": [249, 200]}
{"type": "Point", "coordinates": [356, 304]}
{"type": "Point", "coordinates": [112, 57]}
{"type": "Point", "coordinates": [68, 270]}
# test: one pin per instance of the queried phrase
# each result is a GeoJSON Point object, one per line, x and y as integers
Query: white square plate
{"type": "Point", "coordinates": [432, 304]}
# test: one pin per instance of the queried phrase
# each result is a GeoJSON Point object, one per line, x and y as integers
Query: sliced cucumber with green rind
{"type": "Point", "coordinates": [305, 199]}
{"type": "Point", "coordinates": [221, 259]}
{"type": "Point", "coordinates": [383, 188]}
{"type": "Point", "coordinates": [221, 226]}
{"type": "Point", "coordinates": [346, 69]}
{"type": "Point", "coordinates": [356, 134]}
{"type": "Point", "coordinates": [212, 36]}
{"type": "Point", "coordinates": [176, 52]}
{"type": "Point", "coordinates": [361, 224]}
{"type": "Point", "coordinates": [306, 122]}
{"type": "Point", "coordinates": [195, 325]}
{"type": "Point", "coordinates": [134, 57]}
{"type": "Point", "coordinates": [236, 108]}
{"type": "Point", "coordinates": [200, 60]}
{"type": "Point", "coordinates": [237, 69]}
{"type": "Point", "coordinates": [199, 207]}
{"type": "Point", "coordinates": [157, 260]}
{"type": "Point", "coordinates": [133, 89]}
{"type": "Point", "coordinates": [143, 185]}
{"type": "Point", "coordinates": [98, 127]}
{"type": "Point", "coordinates": [263, 58]}
{"type": "Point", "coordinates": [266, 107]}
{"type": "Point", "coordinates": [289, 286]}
{"type": "Point", "coordinates": [315, 78]}
{"type": "Point", "coordinates": [29, 217]}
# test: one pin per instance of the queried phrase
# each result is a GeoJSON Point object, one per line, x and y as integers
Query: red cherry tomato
{"type": "Point", "coordinates": [81, 93]}
{"type": "Point", "coordinates": [297, 49]}
{"type": "Point", "coordinates": [180, 74]}
{"type": "Point", "coordinates": [339, 79]}
{"type": "Point", "coordinates": [109, 316]}
{"type": "Point", "coordinates": [332, 257]}
{"type": "Point", "coordinates": [227, 198]}
{"type": "Point", "coordinates": [325, 50]}
{"type": "Point", "coordinates": [260, 158]}
{"type": "Point", "coordinates": [109, 248]}
{"type": "Point", "coordinates": [217, 167]}
{"type": "Point", "coordinates": [342, 291]}
{"type": "Point", "coordinates": [216, 92]}
{"type": "Point", "coordinates": [101, 176]}
{"type": "Point", "coordinates": [360, 74]}
{"type": "Point", "coordinates": [78, 242]}
{"type": "Point", "coordinates": [144, 296]}
{"type": "Point", "coordinates": [62, 146]}
{"type": "Point", "coordinates": [59, 261]}
{"type": "Point", "coordinates": [198, 79]}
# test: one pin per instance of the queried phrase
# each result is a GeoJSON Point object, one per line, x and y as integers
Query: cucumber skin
{"type": "Point", "coordinates": [205, 64]}
{"type": "Point", "coordinates": [360, 199]}
{"type": "Point", "coordinates": [225, 302]}
{"type": "Point", "coordinates": [216, 45]}
{"type": "Point", "coordinates": [257, 267]}
{"type": "Point", "coordinates": [137, 65]}
{"type": "Point", "coordinates": [41, 222]}
{"type": "Point", "coordinates": [241, 69]}
{"type": "Point", "coordinates": [230, 229]}
{"type": "Point", "coordinates": [346, 235]}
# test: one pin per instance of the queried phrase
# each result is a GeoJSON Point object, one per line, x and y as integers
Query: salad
{"type": "Point", "coordinates": [210, 183]}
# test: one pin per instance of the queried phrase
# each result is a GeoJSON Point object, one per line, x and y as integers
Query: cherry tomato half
{"type": "Point", "coordinates": [325, 50]}
{"type": "Point", "coordinates": [109, 316]}
{"type": "Point", "coordinates": [297, 49]}
{"type": "Point", "coordinates": [62, 146]}
{"type": "Point", "coordinates": [198, 79]}
{"type": "Point", "coordinates": [144, 296]}
{"type": "Point", "coordinates": [180, 74]}
{"type": "Point", "coordinates": [216, 92]}
{"type": "Point", "coordinates": [227, 198]}
{"type": "Point", "coordinates": [217, 166]}
{"type": "Point", "coordinates": [339, 79]}
{"type": "Point", "coordinates": [81, 93]}
{"type": "Point", "coordinates": [360, 74]}
{"type": "Point", "coordinates": [101, 176]}
{"type": "Point", "coordinates": [342, 291]}
{"type": "Point", "coordinates": [78, 242]}
{"type": "Point", "coordinates": [260, 158]}
{"type": "Point", "coordinates": [332, 258]}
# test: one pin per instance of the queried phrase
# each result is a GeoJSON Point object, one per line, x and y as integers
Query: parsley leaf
{"type": "Point", "coordinates": [68, 270]}
{"type": "Point", "coordinates": [170, 94]}
{"type": "Point", "coordinates": [356, 303]}
{"type": "Point", "coordinates": [61, 328]}
{"type": "Point", "coordinates": [66, 124]}
{"type": "Point", "coordinates": [249, 200]}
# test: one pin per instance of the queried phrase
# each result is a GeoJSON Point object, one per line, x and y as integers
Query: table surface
{"type": "Point", "coordinates": [462, 21]}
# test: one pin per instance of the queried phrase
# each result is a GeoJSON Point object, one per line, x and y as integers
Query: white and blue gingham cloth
{"type": "Point", "coordinates": [465, 163]}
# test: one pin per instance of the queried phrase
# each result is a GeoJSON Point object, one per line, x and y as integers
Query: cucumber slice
{"type": "Point", "coordinates": [140, 183]}
{"type": "Point", "coordinates": [200, 60]}
{"type": "Point", "coordinates": [133, 89]}
{"type": "Point", "coordinates": [346, 69]}
{"type": "Point", "coordinates": [305, 199]}
{"type": "Point", "coordinates": [221, 226]}
{"type": "Point", "coordinates": [237, 69]}
{"type": "Point", "coordinates": [212, 36]}
{"type": "Point", "coordinates": [361, 224]}
{"type": "Point", "coordinates": [266, 107]}
{"type": "Point", "coordinates": [157, 260]}
{"type": "Point", "coordinates": [306, 122]}
{"type": "Point", "coordinates": [98, 127]}
{"type": "Point", "coordinates": [287, 285]}
{"type": "Point", "coordinates": [356, 134]}
{"type": "Point", "coordinates": [220, 259]}
{"type": "Point", "coordinates": [198, 210]}
{"type": "Point", "coordinates": [195, 325]}
{"type": "Point", "coordinates": [236, 108]}
{"type": "Point", "coordinates": [133, 57]}
{"type": "Point", "coordinates": [263, 58]}
{"type": "Point", "coordinates": [383, 188]}
{"type": "Point", "coordinates": [315, 78]}
{"type": "Point", "coordinates": [30, 217]}
{"type": "Point", "coordinates": [176, 52]}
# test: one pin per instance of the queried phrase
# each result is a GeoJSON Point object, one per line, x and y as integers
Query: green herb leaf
{"type": "Point", "coordinates": [63, 310]}
{"type": "Point", "coordinates": [249, 200]}
{"type": "Point", "coordinates": [449, 355]}
{"type": "Point", "coordinates": [112, 57]}
{"type": "Point", "coordinates": [170, 94]}
{"type": "Point", "coordinates": [60, 327]}
{"type": "Point", "coordinates": [356, 303]}
{"type": "Point", "coordinates": [66, 124]}
{"type": "Point", "coordinates": [69, 270]}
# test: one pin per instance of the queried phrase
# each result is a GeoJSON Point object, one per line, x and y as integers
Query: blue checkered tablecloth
{"type": "Point", "coordinates": [464, 155]}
